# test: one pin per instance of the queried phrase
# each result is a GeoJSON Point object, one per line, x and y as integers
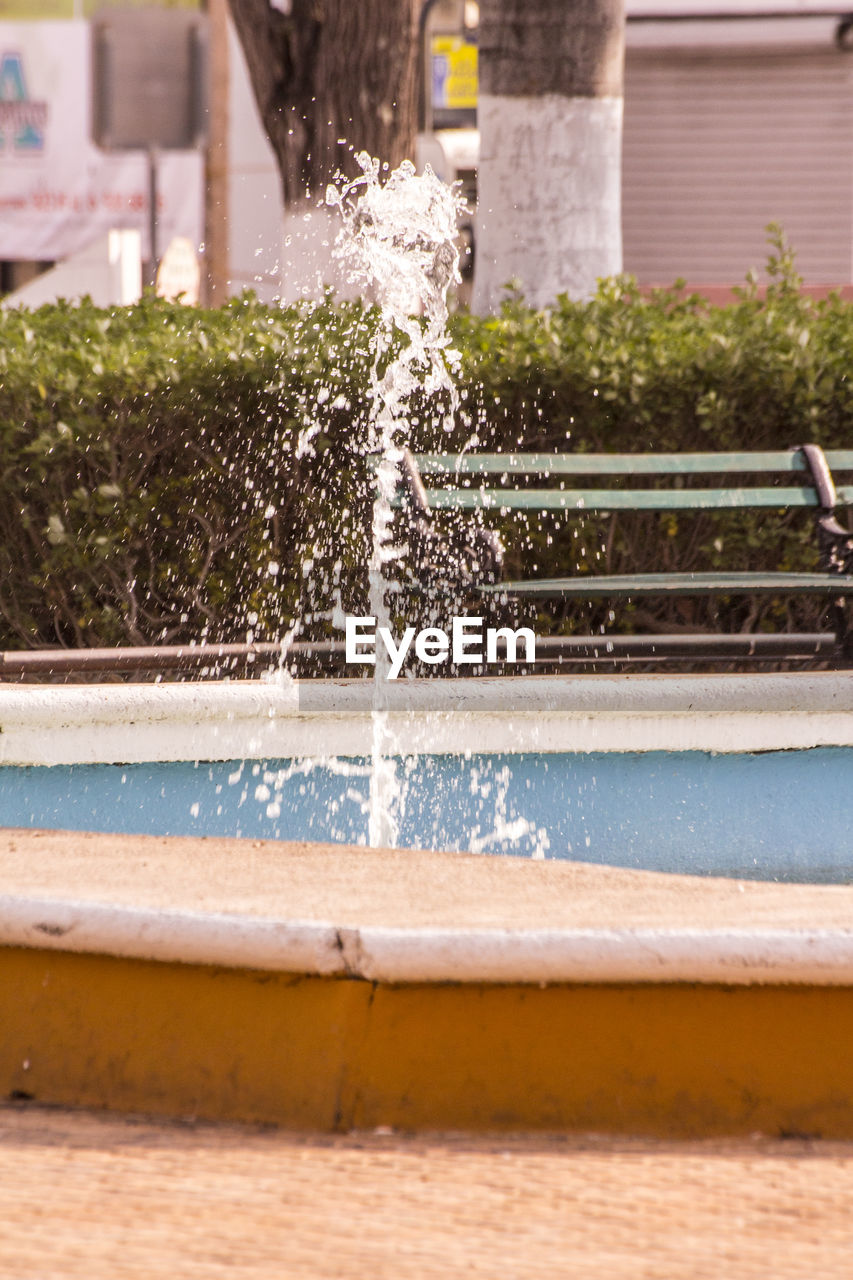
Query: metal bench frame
{"type": "Point", "coordinates": [463, 487]}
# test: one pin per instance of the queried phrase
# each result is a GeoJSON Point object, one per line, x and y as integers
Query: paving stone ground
{"type": "Point", "coordinates": [100, 1197]}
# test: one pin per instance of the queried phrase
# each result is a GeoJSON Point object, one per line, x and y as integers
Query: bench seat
{"type": "Point", "coordinates": [797, 478]}
{"type": "Point", "coordinates": [731, 499]}
{"type": "Point", "coordinates": [598, 587]}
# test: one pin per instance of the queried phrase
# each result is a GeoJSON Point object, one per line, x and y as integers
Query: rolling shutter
{"type": "Point", "coordinates": [720, 142]}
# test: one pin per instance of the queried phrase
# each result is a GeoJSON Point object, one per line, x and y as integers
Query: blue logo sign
{"type": "Point", "coordinates": [22, 122]}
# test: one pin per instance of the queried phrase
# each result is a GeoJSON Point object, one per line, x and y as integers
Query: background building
{"type": "Point", "coordinates": [63, 186]}
{"type": "Point", "coordinates": [737, 114]}
{"type": "Point", "coordinates": [735, 118]}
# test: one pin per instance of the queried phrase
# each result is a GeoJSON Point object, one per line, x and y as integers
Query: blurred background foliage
{"type": "Point", "coordinates": [171, 475]}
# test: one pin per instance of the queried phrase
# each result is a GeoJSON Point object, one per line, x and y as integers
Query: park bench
{"type": "Point", "coordinates": [773, 480]}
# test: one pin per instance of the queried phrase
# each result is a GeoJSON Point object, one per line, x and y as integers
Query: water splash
{"type": "Point", "coordinates": [398, 238]}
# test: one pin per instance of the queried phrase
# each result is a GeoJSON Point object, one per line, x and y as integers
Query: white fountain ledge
{"type": "Point", "coordinates": [408, 916]}
{"type": "Point", "coordinates": [728, 956]}
{"type": "Point", "coordinates": [402, 915]}
{"type": "Point", "coordinates": [125, 724]}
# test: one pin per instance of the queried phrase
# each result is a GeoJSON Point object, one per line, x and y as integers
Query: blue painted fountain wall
{"type": "Point", "coordinates": [784, 815]}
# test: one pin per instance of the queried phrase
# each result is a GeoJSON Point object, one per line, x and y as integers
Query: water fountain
{"type": "Point", "coordinates": [318, 986]}
{"type": "Point", "coordinates": [644, 771]}
{"type": "Point", "coordinates": [398, 238]}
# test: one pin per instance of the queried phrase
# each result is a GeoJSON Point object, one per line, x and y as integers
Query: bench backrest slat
{"type": "Point", "coordinates": [628, 499]}
{"type": "Point", "coordinates": [603, 464]}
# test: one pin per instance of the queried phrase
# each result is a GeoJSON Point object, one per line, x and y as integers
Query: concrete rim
{"type": "Point", "coordinates": [124, 724]}
{"type": "Point", "coordinates": [382, 954]}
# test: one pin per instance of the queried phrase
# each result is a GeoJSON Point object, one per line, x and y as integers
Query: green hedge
{"type": "Point", "coordinates": [152, 471]}
{"type": "Point", "coordinates": [159, 462]}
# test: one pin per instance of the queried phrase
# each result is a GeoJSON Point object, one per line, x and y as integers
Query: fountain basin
{"type": "Point", "coordinates": [726, 775]}
{"type": "Point", "coordinates": [335, 988]}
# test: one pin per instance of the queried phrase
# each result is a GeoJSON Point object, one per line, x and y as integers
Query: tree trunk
{"type": "Point", "coordinates": [331, 78]}
{"type": "Point", "coordinates": [550, 118]}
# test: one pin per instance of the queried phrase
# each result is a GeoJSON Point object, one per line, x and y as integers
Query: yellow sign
{"type": "Point", "coordinates": [454, 73]}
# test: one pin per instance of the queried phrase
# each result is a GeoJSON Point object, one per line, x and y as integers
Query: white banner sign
{"type": "Point", "coordinates": [58, 191]}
